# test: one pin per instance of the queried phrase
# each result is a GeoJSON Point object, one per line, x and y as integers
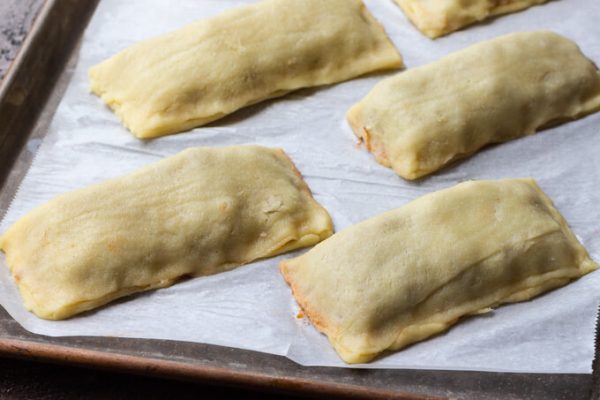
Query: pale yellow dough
{"type": "Point", "coordinates": [214, 67]}
{"type": "Point", "coordinates": [200, 212]}
{"type": "Point", "coordinates": [418, 121]}
{"type": "Point", "coordinates": [411, 273]}
{"type": "Point", "coordinates": [439, 17]}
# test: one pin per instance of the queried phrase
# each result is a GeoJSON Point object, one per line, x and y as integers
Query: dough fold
{"type": "Point", "coordinates": [214, 67]}
{"type": "Point", "coordinates": [420, 120]}
{"type": "Point", "coordinates": [200, 212]}
{"type": "Point", "coordinates": [412, 272]}
{"type": "Point", "coordinates": [439, 17]}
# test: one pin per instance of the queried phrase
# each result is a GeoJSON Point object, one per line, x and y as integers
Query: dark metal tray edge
{"type": "Point", "coordinates": [181, 370]}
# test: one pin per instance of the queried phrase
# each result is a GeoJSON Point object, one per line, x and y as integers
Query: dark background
{"type": "Point", "coordinates": [30, 380]}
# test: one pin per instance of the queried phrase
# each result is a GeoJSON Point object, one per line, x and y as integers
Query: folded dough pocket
{"type": "Point", "coordinates": [411, 273]}
{"type": "Point", "coordinates": [200, 212]}
{"type": "Point", "coordinates": [418, 121]}
{"type": "Point", "coordinates": [439, 17]}
{"type": "Point", "coordinates": [214, 67]}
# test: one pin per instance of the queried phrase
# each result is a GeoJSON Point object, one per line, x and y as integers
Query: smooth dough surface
{"type": "Point", "coordinates": [214, 67]}
{"type": "Point", "coordinates": [412, 272]}
{"type": "Point", "coordinates": [200, 212]}
{"type": "Point", "coordinates": [439, 17]}
{"type": "Point", "coordinates": [418, 121]}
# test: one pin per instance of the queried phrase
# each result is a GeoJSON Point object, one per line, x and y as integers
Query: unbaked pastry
{"type": "Point", "coordinates": [214, 67]}
{"type": "Point", "coordinates": [418, 121]}
{"type": "Point", "coordinates": [410, 273]}
{"type": "Point", "coordinates": [439, 17]}
{"type": "Point", "coordinates": [200, 212]}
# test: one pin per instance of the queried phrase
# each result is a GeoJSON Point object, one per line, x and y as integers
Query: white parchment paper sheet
{"type": "Point", "coordinates": [251, 307]}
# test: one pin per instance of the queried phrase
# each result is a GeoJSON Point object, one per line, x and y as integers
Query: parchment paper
{"type": "Point", "coordinates": [251, 307]}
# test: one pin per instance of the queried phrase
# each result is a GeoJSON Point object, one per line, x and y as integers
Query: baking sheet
{"type": "Point", "coordinates": [251, 307]}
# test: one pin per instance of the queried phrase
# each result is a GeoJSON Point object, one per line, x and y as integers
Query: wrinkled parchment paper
{"type": "Point", "coordinates": [251, 307]}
